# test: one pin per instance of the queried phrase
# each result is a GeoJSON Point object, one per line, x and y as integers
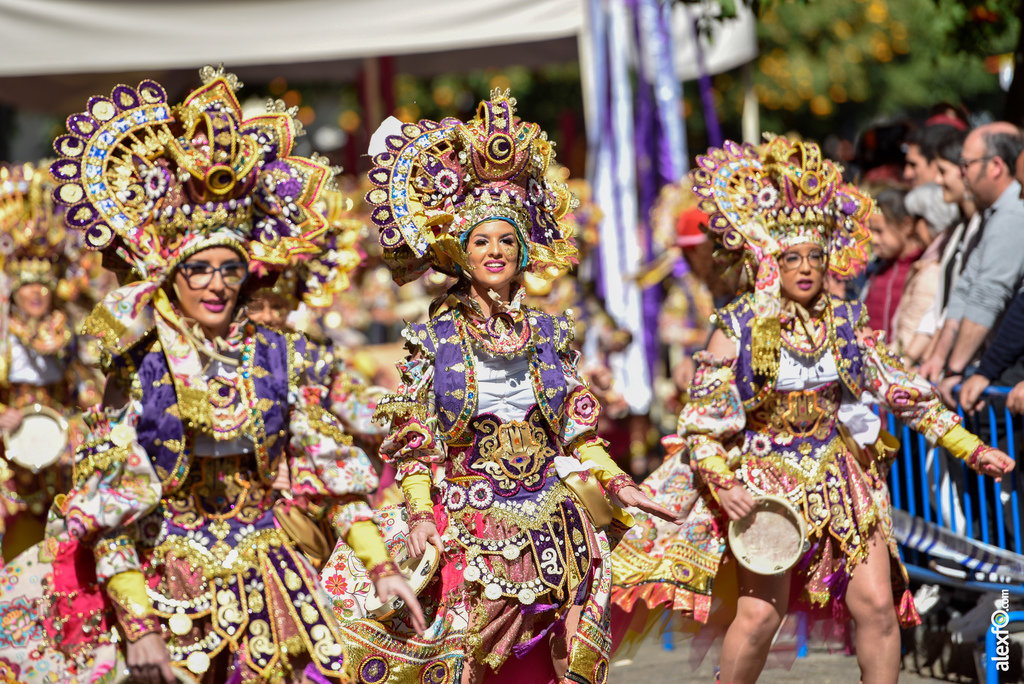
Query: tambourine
{"type": "Point", "coordinates": [417, 570]}
{"type": "Point", "coordinates": [771, 539]}
{"type": "Point", "coordinates": [183, 676]}
{"type": "Point", "coordinates": [39, 441]}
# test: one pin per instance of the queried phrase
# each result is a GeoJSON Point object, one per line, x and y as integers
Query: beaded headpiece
{"type": "Point", "coordinates": [761, 202]}
{"type": "Point", "coordinates": [152, 184]}
{"type": "Point", "coordinates": [315, 281]}
{"type": "Point", "coordinates": [435, 181]}
{"type": "Point", "coordinates": [34, 244]}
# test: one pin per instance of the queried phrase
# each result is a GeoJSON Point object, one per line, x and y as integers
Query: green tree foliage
{"type": "Point", "coordinates": [827, 63]}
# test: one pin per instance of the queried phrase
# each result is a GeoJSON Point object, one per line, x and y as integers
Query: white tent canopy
{"type": "Point", "coordinates": [54, 51]}
{"type": "Point", "coordinates": [85, 36]}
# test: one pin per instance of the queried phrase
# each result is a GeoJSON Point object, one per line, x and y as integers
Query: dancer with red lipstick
{"type": "Point", "coordinates": [174, 505]}
{"type": "Point", "coordinates": [780, 407]}
{"type": "Point", "coordinates": [492, 430]}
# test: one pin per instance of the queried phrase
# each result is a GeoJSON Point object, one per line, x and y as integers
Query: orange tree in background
{"type": "Point", "coordinates": [824, 64]}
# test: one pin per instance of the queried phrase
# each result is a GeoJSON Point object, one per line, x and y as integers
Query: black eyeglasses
{"type": "Point", "coordinates": [199, 274]}
{"type": "Point", "coordinates": [965, 164]}
{"type": "Point", "coordinates": [790, 261]}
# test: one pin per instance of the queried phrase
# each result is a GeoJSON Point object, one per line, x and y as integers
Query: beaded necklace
{"type": "Point", "coordinates": [247, 392]}
{"type": "Point", "coordinates": [231, 416]}
{"type": "Point", "coordinates": [498, 335]}
{"type": "Point", "coordinates": [806, 344]}
{"type": "Point", "coordinates": [830, 342]}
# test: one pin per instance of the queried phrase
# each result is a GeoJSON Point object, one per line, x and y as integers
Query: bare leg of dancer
{"type": "Point", "coordinates": [869, 598]}
{"type": "Point", "coordinates": [560, 645]}
{"type": "Point", "coordinates": [472, 672]}
{"type": "Point", "coordinates": [762, 605]}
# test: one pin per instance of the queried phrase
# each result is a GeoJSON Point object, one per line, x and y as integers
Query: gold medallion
{"type": "Point", "coordinates": [122, 434]}
{"type": "Point", "coordinates": [198, 662]}
{"type": "Point", "coordinates": [180, 623]}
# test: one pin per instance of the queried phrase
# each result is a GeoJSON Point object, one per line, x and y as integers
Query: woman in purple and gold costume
{"type": "Point", "coordinates": [42, 362]}
{"type": "Point", "coordinates": [492, 430]}
{"type": "Point", "coordinates": [174, 499]}
{"type": "Point", "coordinates": [40, 355]}
{"type": "Point", "coordinates": [304, 296]}
{"type": "Point", "coordinates": [780, 405]}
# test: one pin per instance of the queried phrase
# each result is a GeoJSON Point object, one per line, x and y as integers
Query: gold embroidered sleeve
{"type": "Point", "coordinates": [713, 414]}
{"type": "Point", "coordinates": [115, 487]}
{"type": "Point", "coordinates": [323, 421]}
{"type": "Point", "coordinates": [324, 464]}
{"type": "Point", "coordinates": [909, 397]}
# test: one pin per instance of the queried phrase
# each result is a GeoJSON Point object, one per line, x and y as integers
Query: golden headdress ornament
{"type": "Point", "coordinates": [761, 202]}
{"type": "Point", "coordinates": [435, 181]}
{"type": "Point", "coordinates": [34, 244]}
{"type": "Point", "coordinates": [152, 184]}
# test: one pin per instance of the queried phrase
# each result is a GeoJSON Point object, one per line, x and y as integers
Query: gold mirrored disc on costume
{"type": "Point", "coordinates": [180, 623]}
{"type": "Point", "coordinates": [198, 662]}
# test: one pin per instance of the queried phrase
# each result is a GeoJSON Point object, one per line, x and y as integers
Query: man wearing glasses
{"type": "Point", "coordinates": [995, 269]}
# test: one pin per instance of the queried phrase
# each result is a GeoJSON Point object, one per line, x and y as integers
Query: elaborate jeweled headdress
{"type": "Point", "coordinates": [151, 184]}
{"type": "Point", "coordinates": [435, 181]}
{"type": "Point", "coordinates": [34, 244]}
{"type": "Point", "coordinates": [315, 281]}
{"type": "Point", "coordinates": [761, 202]}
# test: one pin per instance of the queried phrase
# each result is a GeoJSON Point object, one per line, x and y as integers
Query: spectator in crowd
{"type": "Point", "coordinates": [955, 245]}
{"type": "Point", "coordinates": [920, 165]}
{"type": "Point", "coordinates": [1019, 167]}
{"type": "Point", "coordinates": [932, 218]}
{"type": "Point", "coordinates": [948, 114]}
{"type": "Point", "coordinates": [1002, 363]}
{"type": "Point", "coordinates": [995, 268]}
{"type": "Point", "coordinates": [878, 158]}
{"type": "Point", "coordinates": [897, 246]}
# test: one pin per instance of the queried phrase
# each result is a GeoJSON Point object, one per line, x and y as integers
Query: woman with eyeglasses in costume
{"type": "Point", "coordinates": [491, 419]}
{"type": "Point", "coordinates": [174, 495]}
{"type": "Point", "coordinates": [780, 405]}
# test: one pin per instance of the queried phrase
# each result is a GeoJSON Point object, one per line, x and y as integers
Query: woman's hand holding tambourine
{"type": "Point", "coordinates": [736, 501]}
{"type": "Point", "coordinates": [423, 533]}
{"type": "Point", "coordinates": [149, 661]}
{"type": "Point", "coordinates": [396, 585]}
{"type": "Point", "coordinates": [10, 420]}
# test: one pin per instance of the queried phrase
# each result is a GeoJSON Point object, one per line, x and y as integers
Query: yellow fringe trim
{"type": "Point", "coordinates": [765, 345]}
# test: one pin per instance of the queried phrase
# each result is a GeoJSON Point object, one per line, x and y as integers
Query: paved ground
{"type": "Point", "coordinates": [654, 665]}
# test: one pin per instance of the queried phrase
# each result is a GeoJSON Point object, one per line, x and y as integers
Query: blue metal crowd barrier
{"type": "Point", "coordinates": [982, 509]}
{"type": "Point", "coordinates": [985, 505]}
